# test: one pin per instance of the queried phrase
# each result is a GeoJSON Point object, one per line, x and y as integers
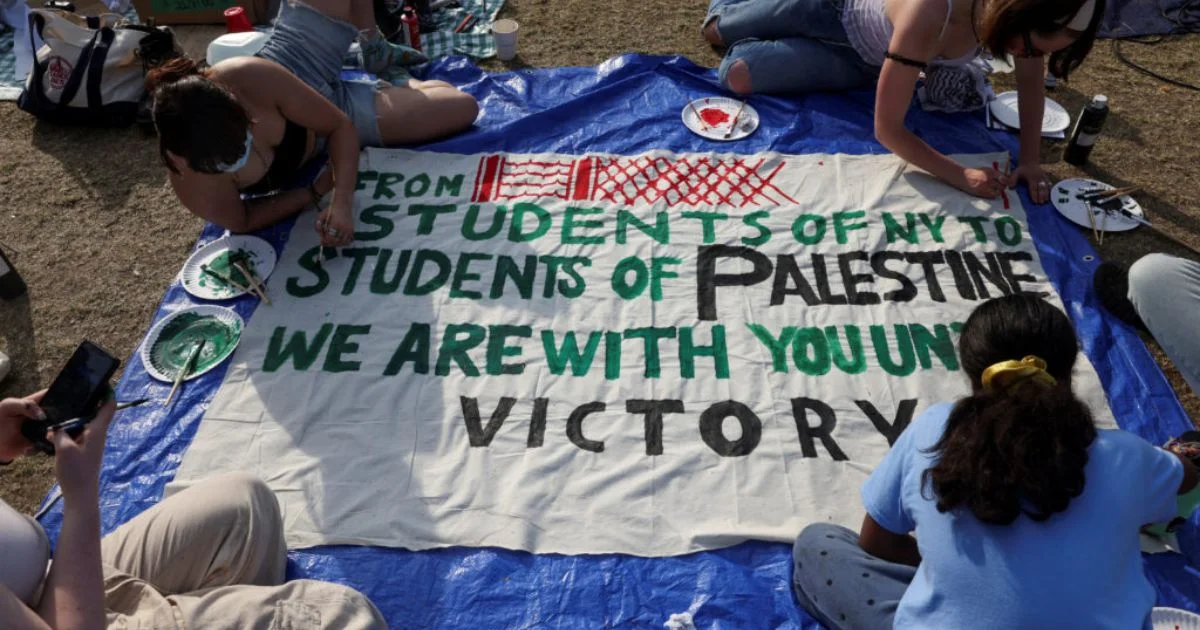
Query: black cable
{"type": "Point", "coordinates": [1116, 49]}
{"type": "Point", "coordinates": [1184, 19]}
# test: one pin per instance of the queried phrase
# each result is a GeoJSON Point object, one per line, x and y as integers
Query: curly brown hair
{"type": "Point", "coordinates": [1022, 449]}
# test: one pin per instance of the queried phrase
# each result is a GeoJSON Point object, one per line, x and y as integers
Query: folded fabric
{"type": "Point", "coordinates": [956, 88]}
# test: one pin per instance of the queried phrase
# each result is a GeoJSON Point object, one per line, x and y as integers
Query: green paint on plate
{"type": "Point", "coordinates": [179, 337]}
{"type": "Point", "coordinates": [223, 265]}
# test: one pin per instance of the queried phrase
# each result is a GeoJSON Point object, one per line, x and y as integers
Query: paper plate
{"type": "Point", "coordinates": [712, 117]}
{"type": "Point", "coordinates": [1055, 119]}
{"type": "Point", "coordinates": [1174, 619]}
{"type": "Point", "coordinates": [1064, 197]}
{"type": "Point", "coordinates": [216, 256]}
{"type": "Point", "coordinates": [172, 339]}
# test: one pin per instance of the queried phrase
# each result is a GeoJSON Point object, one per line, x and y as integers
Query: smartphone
{"type": "Point", "coordinates": [75, 395]}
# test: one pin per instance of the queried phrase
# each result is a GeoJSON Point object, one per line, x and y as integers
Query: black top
{"type": "Point", "coordinates": [289, 157]}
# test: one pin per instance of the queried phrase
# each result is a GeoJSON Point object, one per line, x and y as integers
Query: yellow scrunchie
{"type": "Point", "coordinates": [1006, 373]}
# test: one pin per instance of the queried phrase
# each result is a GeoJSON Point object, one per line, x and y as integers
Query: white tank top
{"type": "Point", "coordinates": [24, 554]}
{"type": "Point", "coordinates": [870, 32]}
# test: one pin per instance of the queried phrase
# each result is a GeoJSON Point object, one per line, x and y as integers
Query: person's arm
{"type": "Point", "coordinates": [914, 37]}
{"type": "Point", "coordinates": [218, 201]}
{"type": "Point", "coordinates": [1031, 105]}
{"type": "Point", "coordinates": [885, 545]}
{"type": "Point", "coordinates": [14, 611]}
{"type": "Point", "coordinates": [73, 596]}
{"type": "Point", "coordinates": [301, 104]}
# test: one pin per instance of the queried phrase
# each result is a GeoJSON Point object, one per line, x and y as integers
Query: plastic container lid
{"type": "Point", "coordinates": [1100, 99]}
{"type": "Point", "coordinates": [232, 45]}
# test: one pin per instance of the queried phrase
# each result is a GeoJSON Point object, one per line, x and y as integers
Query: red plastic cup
{"type": "Point", "coordinates": [236, 20]}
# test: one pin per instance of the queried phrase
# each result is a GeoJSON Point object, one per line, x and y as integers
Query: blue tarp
{"type": "Point", "coordinates": [629, 105]}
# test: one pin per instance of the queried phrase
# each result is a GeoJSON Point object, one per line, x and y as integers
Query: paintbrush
{"type": "Point", "coordinates": [1092, 220]}
{"type": "Point", "coordinates": [1102, 195]}
{"type": "Point", "coordinates": [698, 118]}
{"type": "Point", "coordinates": [183, 372]}
{"type": "Point", "coordinates": [1003, 193]}
{"type": "Point", "coordinates": [224, 278]}
{"type": "Point", "coordinates": [1120, 192]}
{"type": "Point", "coordinates": [733, 125]}
{"type": "Point", "coordinates": [255, 284]}
{"type": "Point", "coordinates": [1142, 221]}
{"type": "Point", "coordinates": [1103, 225]}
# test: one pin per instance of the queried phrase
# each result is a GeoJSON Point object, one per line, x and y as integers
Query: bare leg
{"type": "Point", "coordinates": [422, 111]}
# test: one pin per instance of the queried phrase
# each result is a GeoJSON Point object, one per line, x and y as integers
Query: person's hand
{"type": "Point", "coordinates": [1035, 177]}
{"type": "Point", "coordinates": [335, 225]}
{"type": "Point", "coordinates": [983, 182]}
{"type": "Point", "coordinates": [77, 460]}
{"type": "Point", "coordinates": [13, 413]}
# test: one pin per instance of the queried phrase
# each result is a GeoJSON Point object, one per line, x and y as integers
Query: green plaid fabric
{"type": "Point", "coordinates": [474, 42]}
{"type": "Point", "coordinates": [8, 61]}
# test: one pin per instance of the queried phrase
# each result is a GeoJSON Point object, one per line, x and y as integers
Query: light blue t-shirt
{"type": "Point", "coordinates": [1081, 568]}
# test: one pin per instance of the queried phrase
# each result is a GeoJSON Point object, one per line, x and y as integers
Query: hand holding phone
{"type": "Point", "coordinates": [13, 413]}
{"type": "Point", "coordinates": [74, 397]}
{"type": "Point", "coordinates": [77, 458]}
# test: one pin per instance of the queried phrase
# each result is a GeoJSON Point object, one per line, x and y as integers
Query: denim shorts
{"type": "Point", "coordinates": [312, 46]}
{"type": "Point", "coordinates": [790, 46]}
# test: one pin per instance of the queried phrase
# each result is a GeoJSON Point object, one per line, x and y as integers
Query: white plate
{"type": "Point", "coordinates": [180, 346]}
{"type": "Point", "coordinates": [720, 116]}
{"type": "Point", "coordinates": [205, 287]}
{"type": "Point", "coordinates": [1055, 119]}
{"type": "Point", "coordinates": [1063, 196]}
{"type": "Point", "coordinates": [1174, 619]}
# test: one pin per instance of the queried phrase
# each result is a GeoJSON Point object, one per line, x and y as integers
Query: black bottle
{"type": "Point", "coordinates": [11, 284]}
{"type": "Point", "coordinates": [1087, 129]}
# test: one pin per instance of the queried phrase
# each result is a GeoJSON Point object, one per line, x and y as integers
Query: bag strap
{"type": "Point", "coordinates": [81, 66]}
{"type": "Point", "coordinates": [96, 67]}
{"type": "Point", "coordinates": [37, 22]}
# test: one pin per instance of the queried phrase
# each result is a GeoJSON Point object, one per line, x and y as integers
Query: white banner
{"type": "Point", "coordinates": [649, 355]}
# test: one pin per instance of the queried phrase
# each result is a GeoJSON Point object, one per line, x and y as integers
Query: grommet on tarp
{"type": "Point", "coordinates": [1089, 258]}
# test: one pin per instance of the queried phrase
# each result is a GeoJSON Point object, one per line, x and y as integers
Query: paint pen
{"type": "Point", "coordinates": [133, 403]}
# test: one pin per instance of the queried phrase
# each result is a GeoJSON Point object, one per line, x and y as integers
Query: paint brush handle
{"type": "Point", "coordinates": [699, 118]}
{"type": "Point", "coordinates": [1157, 230]}
{"type": "Point", "coordinates": [183, 371]}
{"type": "Point", "coordinates": [255, 284]}
{"type": "Point", "coordinates": [733, 125]}
{"type": "Point", "coordinates": [223, 278]}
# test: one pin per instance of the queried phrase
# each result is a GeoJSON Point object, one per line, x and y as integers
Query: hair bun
{"type": "Point", "coordinates": [170, 71]}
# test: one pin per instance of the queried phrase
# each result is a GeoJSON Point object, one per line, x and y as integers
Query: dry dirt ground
{"type": "Point", "coordinates": [101, 236]}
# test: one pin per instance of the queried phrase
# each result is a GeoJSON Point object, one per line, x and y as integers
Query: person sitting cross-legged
{"type": "Point", "coordinates": [210, 557]}
{"type": "Point", "coordinates": [1025, 515]}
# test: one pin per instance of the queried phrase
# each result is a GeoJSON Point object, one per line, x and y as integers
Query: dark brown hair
{"type": "Point", "coordinates": [1023, 449]}
{"type": "Point", "coordinates": [1002, 20]}
{"type": "Point", "coordinates": [196, 118]}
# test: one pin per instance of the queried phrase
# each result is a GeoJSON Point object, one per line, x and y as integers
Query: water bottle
{"type": "Point", "coordinates": [11, 284]}
{"type": "Point", "coordinates": [1087, 129]}
{"type": "Point", "coordinates": [411, 26]}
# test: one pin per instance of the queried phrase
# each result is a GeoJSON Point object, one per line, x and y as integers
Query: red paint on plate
{"type": "Point", "coordinates": [713, 116]}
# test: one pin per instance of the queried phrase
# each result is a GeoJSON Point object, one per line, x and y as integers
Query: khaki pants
{"type": "Point", "coordinates": [213, 557]}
